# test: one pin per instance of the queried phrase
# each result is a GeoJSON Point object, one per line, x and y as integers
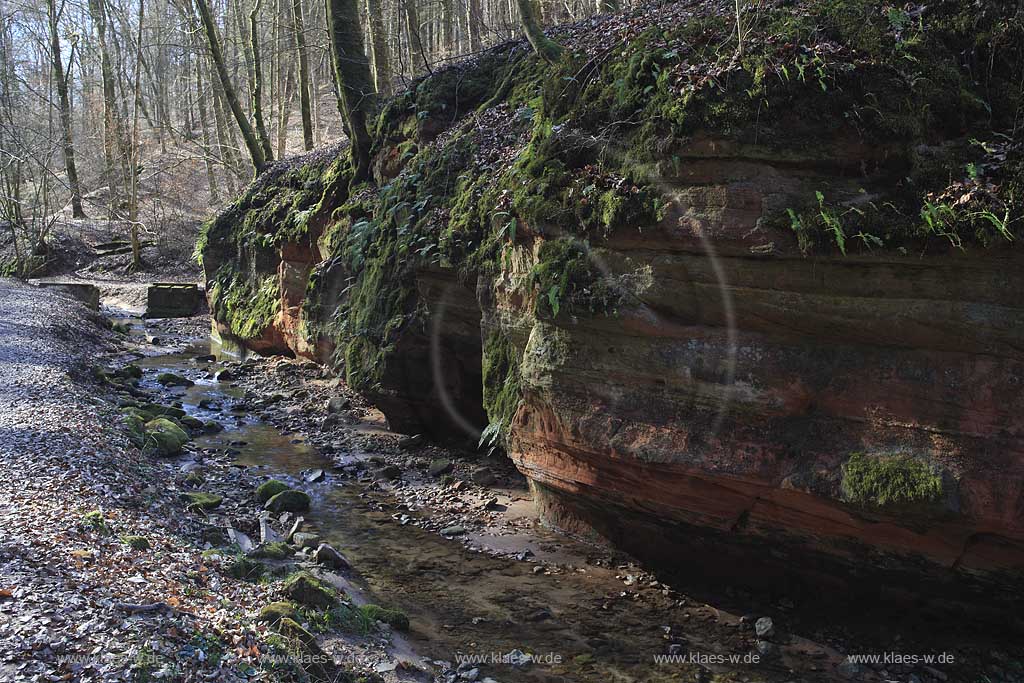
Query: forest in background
{"type": "Point", "coordinates": [145, 113]}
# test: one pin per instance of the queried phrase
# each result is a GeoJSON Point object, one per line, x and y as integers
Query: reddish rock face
{"type": "Point", "coordinates": [711, 417]}
{"type": "Point", "coordinates": [708, 423]}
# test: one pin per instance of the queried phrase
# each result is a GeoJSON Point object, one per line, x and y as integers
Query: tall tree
{"type": "Point", "coordinates": [378, 47]}
{"type": "Point", "coordinates": [225, 133]}
{"type": "Point", "coordinates": [474, 22]}
{"type": "Point", "coordinates": [548, 49]}
{"type": "Point", "coordinates": [133, 197]}
{"type": "Point", "coordinates": [252, 143]}
{"type": "Point", "coordinates": [285, 74]}
{"type": "Point", "coordinates": [204, 126]}
{"type": "Point", "coordinates": [113, 131]}
{"type": "Point", "coordinates": [299, 28]}
{"type": "Point", "coordinates": [61, 81]}
{"type": "Point", "coordinates": [413, 31]}
{"type": "Point", "coordinates": [356, 97]}
{"type": "Point", "coordinates": [257, 83]}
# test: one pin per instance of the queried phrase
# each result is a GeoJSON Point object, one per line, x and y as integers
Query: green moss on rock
{"type": "Point", "coordinates": [247, 569]}
{"type": "Point", "coordinates": [197, 501]}
{"type": "Point", "coordinates": [269, 489]}
{"type": "Point", "coordinates": [394, 618]}
{"type": "Point", "coordinates": [191, 422]}
{"type": "Point", "coordinates": [882, 481]}
{"type": "Point", "coordinates": [501, 390]}
{"type": "Point", "coordinates": [164, 437]}
{"type": "Point", "coordinates": [291, 500]}
{"type": "Point", "coordinates": [245, 306]}
{"type": "Point", "coordinates": [306, 589]}
{"type": "Point", "coordinates": [276, 611]}
{"type": "Point", "coordinates": [169, 379]}
{"type": "Point", "coordinates": [277, 550]}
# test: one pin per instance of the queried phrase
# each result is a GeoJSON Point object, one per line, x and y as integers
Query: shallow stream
{"type": "Point", "coordinates": [581, 621]}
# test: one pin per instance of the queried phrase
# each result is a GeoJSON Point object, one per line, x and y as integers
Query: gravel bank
{"type": "Point", "coordinates": [71, 589]}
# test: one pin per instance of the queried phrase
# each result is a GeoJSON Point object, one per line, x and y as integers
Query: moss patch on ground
{"type": "Point", "coordinates": [201, 502]}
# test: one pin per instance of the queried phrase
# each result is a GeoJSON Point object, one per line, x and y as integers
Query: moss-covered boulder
{"type": "Point", "coordinates": [247, 569]}
{"type": "Point", "coordinates": [160, 410]}
{"type": "Point", "coordinates": [169, 379]}
{"type": "Point", "coordinates": [129, 371]}
{"type": "Point", "coordinates": [135, 427]}
{"type": "Point", "coordinates": [291, 500]}
{"type": "Point", "coordinates": [394, 618]}
{"type": "Point", "coordinates": [269, 489]}
{"type": "Point", "coordinates": [276, 611]}
{"type": "Point", "coordinates": [276, 550]}
{"type": "Point", "coordinates": [164, 437]}
{"type": "Point", "coordinates": [212, 427]}
{"type": "Point", "coordinates": [198, 501]}
{"type": "Point", "coordinates": [302, 646]}
{"type": "Point", "coordinates": [674, 261]}
{"type": "Point", "coordinates": [306, 589]}
{"type": "Point", "coordinates": [193, 423]}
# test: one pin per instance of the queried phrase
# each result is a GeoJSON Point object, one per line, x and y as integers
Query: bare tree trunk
{"type": "Point", "coordinates": [286, 80]}
{"type": "Point", "coordinates": [259, 160]}
{"type": "Point", "coordinates": [474, 22]}
{"type": "Point", "coordinates": [257, 84]}
{"type": "Point", "coordinates": [113, 131]}
{"type": "Point", "coordinates": [65, 108]}
{"type": "Point", "coordinates": [211, 177]}
{"type": "Point", "coordinates": [412, 27]}
{"type": "Point", "coordinates": [548, 49]}
{"type": "Point", "coordinates": [378, 47]}
{"type": "Point", "coordinates": [133, 200]}
{"type": "Point", "coordinates": [243, 36]}
{"type": "Point", "coordinates": [448, 26]}
{"type": "Point", "coordinates": [225, 143]}
{"type": "Point", "coordinates": [356, 97]}
{"type": "Point", "coordinates": [304, 95]}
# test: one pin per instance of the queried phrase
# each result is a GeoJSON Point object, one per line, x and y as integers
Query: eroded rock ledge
{"type": "Point", "coordinates": [724, 313]}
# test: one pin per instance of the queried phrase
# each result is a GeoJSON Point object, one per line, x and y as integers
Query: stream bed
{"type": "Point", "coordinates": [476, 597]}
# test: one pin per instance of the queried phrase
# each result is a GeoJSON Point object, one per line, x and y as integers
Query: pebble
{"type": "Point", "coordinates": [336, 404]}
{"type": "Point", "coordinates": [325, 554]}
{"type": "Point", "coordinates": [304, 539]}
{"type": "Point", "coordinates": [764, 627]}
{"type": "Point", "coordinates": [439, 466]}
{"type": "Point", "coordinates": [483, 476]}
{"type": "Point", "coordinates": [409, 443]}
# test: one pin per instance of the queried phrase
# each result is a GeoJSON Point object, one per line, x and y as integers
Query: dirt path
{"type": "Point", "coordinates": [80, 597]}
